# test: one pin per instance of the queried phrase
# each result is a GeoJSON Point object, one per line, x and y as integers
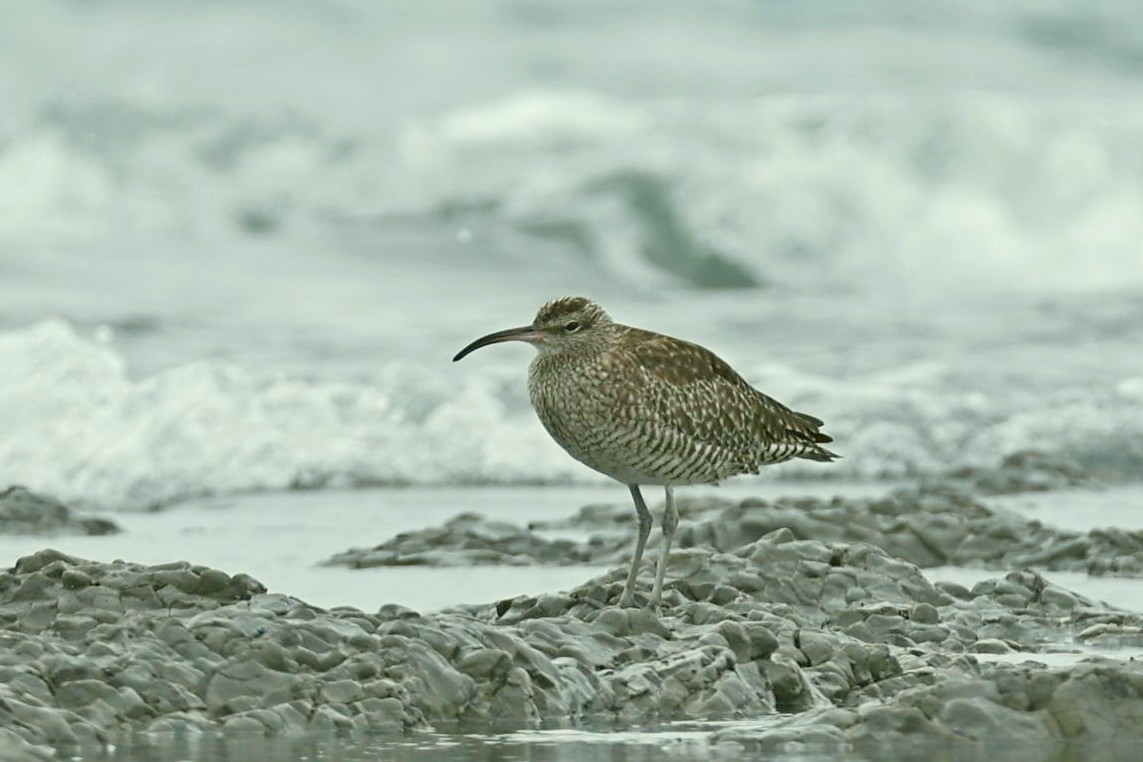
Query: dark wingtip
{"type": "Point", "coordinates": [814, 437]}
{"type": "Point", "coordinates": [821, 455]}
{"type": "Point", "coordinates": [812, 420]}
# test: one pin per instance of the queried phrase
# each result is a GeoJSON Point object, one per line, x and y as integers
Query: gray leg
{"type": "Point", "coordinates": [670, 522]}
{"type": "Point", "coordinates": [644, 515]}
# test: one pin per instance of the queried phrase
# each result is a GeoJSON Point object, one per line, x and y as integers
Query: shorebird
{"type": "Point", "coordinates": [648, 409]}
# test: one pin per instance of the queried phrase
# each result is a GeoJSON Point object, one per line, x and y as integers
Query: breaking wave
{"type": "Point", "coordinates": [807, 192]}
{"type": "Point", "coordinates": [77, 426]}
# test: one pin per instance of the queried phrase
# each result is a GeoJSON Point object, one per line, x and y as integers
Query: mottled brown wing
{"type": "Point", "coordinates": [693, 390]}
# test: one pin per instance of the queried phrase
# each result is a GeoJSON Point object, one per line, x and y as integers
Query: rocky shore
{"type": "Point", "coordinates": [857, 641]}
{"type": "Point", "coordinates": [810, 617]}
{"type": "Point", "coordinates": [943, 522]}
{"type": "Point", "coordinates": [25, 512]}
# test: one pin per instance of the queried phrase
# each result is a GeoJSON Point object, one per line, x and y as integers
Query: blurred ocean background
{"type": "Point", "coordinates": [241, 240]}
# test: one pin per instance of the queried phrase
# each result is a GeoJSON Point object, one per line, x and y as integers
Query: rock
{"type": "Point", "coordinates": [772, 626]}
{"type": "Point", "coordinates": [467, 540]}
{"type": "Point", "coordinates": [1023, 471]}
{"type": "Point", "coordinates": [25, 512]}
{"type": "Point", "coordinates": [935, 524]}
{"type": "Point", "coordinates": [1015, 712]}
{"type": "Point", "coordinates": [14, 748]}
{"type": "Point", "coordinates": [932, 525]}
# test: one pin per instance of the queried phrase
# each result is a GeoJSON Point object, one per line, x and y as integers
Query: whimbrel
{"type": "Point", "coordinates": [644, 408]}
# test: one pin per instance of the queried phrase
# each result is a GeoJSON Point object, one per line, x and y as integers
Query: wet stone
{"type": "Point", "coordinates": [1024, 471]}
{"type": "Point", "coordinates": [924, 613]}
{"type": "Point", "coordinates": [942, 521]}
{"type": "Point", "coordinates": [773, 625]}
{"type": "Point", "coordinates": [991, 646]}
{"type": "Point", "coordinates": [816, 645]}
{"type": "Point", "coordinates": [466, 540]}
{"type": "Point", "coordinates": [485, 663]}
{"type": "Point", "coordinates": [342, 692]}
{"type": "Point", "coordinates": [25, 512]}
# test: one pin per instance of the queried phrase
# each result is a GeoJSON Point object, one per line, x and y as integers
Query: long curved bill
{"type": "Point", "coordinates": [526, 333]}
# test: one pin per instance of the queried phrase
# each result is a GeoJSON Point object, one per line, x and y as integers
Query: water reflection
{"type": "Point", "coordinates": [681, 741]}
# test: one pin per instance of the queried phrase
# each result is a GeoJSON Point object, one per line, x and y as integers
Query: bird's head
{"type": "Point", "coordinates": [568, 324]}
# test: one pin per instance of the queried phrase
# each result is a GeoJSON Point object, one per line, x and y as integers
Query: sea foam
{"type": "Point", "coordinates": [77, 425]}
{"type": "Point", "coordinates": [806, 191]}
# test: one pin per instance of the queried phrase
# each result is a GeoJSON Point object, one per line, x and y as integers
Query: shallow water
{"type": "Point", "coordinates": [279, 538]}
{"type": "Point", "coordinates": [1074, 509]}
{"type": "Point", "coordinates": [679, 740]}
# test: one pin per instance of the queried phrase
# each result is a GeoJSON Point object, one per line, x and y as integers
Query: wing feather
{"type": "Point", "coordinates": [697, 394]}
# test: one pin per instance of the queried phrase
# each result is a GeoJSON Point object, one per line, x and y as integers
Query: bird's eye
{"type": "Point", "coordinates": [572, 326]}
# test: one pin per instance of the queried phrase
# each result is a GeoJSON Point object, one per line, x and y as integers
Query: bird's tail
{"type": "Point", "coordinates": [820, 454]}
{"type": "Point", "coordinates": [813, 438]}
